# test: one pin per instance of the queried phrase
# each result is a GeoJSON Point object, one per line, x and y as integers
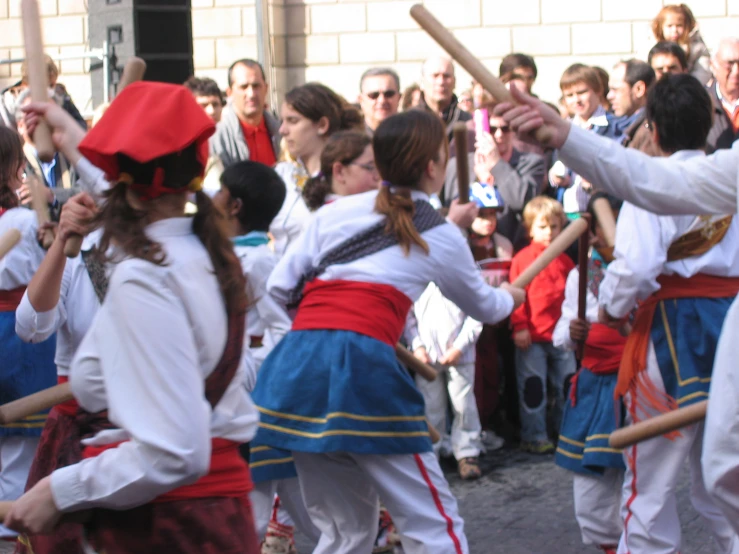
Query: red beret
{"type": "Point", "coordinates": [146, 121]}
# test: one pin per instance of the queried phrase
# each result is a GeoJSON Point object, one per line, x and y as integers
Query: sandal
{"type": "Point", "coordinates": [469, 469]}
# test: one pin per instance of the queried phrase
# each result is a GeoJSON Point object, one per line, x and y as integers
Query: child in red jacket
{"type": "Point", "coordinates": [537, 359]}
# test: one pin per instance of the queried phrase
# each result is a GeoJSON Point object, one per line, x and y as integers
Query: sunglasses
{"type": "Point", "coordinates": [374, 95]}
{"type": "Point", "coordinates": [503, 129]}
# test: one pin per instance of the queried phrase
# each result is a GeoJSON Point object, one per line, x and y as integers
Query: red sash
{"type": "Point", "coordinates": [9, 299]}
{"type": "Point", "coordinates": [604, 349]}
{"type": "Point", "coordinates": [68, 408]}
{"type": "Point", "coordinates": [228, 475]}
{"type": "Point", "coordinates": [632, 373]}
{"type": "Point", "coordinates": [376, 310]}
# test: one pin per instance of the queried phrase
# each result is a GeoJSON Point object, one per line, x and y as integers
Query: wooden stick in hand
{"type": "Point", "coordinates": [41, 207]}
{"type": "Point", "coordinates": [463, 166]}
{"type": "Point", "coordinates": [467, 60]}
{"type": "Point", "coordinates": [414, 364]}
{"type": "Point", "coordinates": [38, 76]}
{"type": "Point", "coordinates": [607, 222]}
{"type": "Point", "coordinates": [35, 403]}
{"type": "Point", "coordinates": [569, 235]}
{"type": "Point", "coordinates": [658, 425]}
{"type": "Point", "coordinates": [8, 240]}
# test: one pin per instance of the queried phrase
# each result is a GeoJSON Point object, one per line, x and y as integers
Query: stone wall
{"type": "Point", "coordinates": [334, 41]}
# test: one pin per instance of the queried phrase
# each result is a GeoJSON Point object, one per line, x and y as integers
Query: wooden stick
{"type": "Point", "coordinates": [414, 364]}
{"type": "Point", "coordinates": [658, 425]}
{"type": "Point", "coordinates": [582, 298]}
{"type": "Point", "coordinates": [41, 207]}
{"type": "Point", "coordinates": [8, 240]}
{"type": "Point", "coordinates": [467, 60]}
{"type": "Point", "coordinates": [38, 75]}
{"type": "Point", "coordinates": [463, 166]}
{"type": "Point", "coordinates": [558, 245]}
{"type": "Point", "coordinates": [35, 403]}
{"type": "Point", "coordinates": [133, 71]}
{"type": "Point", "coordinates": [607, 222]}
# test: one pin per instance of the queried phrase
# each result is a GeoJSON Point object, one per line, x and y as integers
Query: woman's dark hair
{"type": "Point", "coordinates": [261, 191]}
{"type": "Point", "coordinates": [343, 147]}
{"type": "Point", "coordinates": [11, 160]}
{"type": "Point", "coordinates": [680, 109]}
{"type": "Point", "coordinates": [124, 224]}
{"type": "Point", "coordinates": [315, 101]}
{"type": "Point", "coordinates": [404, 144]}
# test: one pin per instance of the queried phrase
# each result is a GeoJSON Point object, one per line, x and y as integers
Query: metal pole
{"type": "Point", "coordinates": [106, 72]}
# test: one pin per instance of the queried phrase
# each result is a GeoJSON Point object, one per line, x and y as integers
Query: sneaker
{"type": "Point", "coordinates": [279, 539]}
{"type": "Point", "coordinates": [491, 442]}
{"type": "Point", "coordinates": [469, 469]}
{"type": "Point", "coordinates": [537, 447]}
{"type": "Point", "coordinates": [387, 538]}
{"type": "Point", "coordinates": [608, 549]}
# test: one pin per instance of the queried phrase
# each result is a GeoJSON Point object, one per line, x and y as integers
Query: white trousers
{"type": "Point", "coordinates": [291, 511]}
{"type": "Point", "coordinates": [16, 457]}
{"type": "Point", "coordinates": [342, 491]}
{"type": "Point", "coordinates": [720, 459]}
{"type": "Point", "coordinates": [458, 382]}
{"type": "Point", "coordinates": [597, 504]}
{"type": "Point", "coordinates": [649, 509]}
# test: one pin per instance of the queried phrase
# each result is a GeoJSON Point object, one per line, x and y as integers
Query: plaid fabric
{"type": "Point", "coordinates": [371, 241]}
{"type": "Point", "coordinates": [195, 526]}
{"type": "Point", "coordinates": [59, 447]}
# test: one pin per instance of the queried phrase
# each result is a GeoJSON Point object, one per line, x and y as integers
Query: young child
{"type": "Point", "coordinates": [495, 252]}
{"type": "Point", "coordinates": [582, 90]}
{"type": "Point", "coordinates": [589, 415]}
{"type": "Point", "coordinates": [251, 195]}
{"type": "Point", "coordinates": [26, 368]}
{"type": "Point", "coordinates": [537, 359]}
{"type": "Point", "coordinates": [676, 23]}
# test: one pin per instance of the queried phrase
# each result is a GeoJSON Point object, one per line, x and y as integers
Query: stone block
{"type": "Point", "coordinates": [66, 29]}
{"type": "Point", "coordinates": [601, 38]}
{"type": "Point", "coordinates": [415, 46]}
{"type": "Point", "coordinates": [70, 7]}
{"type": "Point", "coordinates": [486, 43]}
{"type": "Point", "coordinates": [542, 40]}
{"type": "Point", "coordinates": [505, 12]}
{"type": "Point", "coordinates": [216, 23]}
{"type": "Point", "coordinates": [338, 18]}
{"type": "Point", "coordinates": [231, 49]}
{"type": "Point", "coordinates": [203, 53]}
{"type": "Point", "coordinates": [456, 13]}
{"type": "Point", "coordinates": [11, 31]}
{"type": "Point", "coordinates": [390, 16]}
{"type": "Point", "coordinates": [310, 50]}
{"type": "Point", "coordinates": [369, 48]}
{"type": "Point", "coordinates": [570, 11]}
{"type": "Point", "coordinates": [297, 20]}
{"type": "Point", "coordinates": [630, 10]}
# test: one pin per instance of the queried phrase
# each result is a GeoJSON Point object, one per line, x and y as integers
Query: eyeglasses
{"type": "Point", "coordinates": [375, 94]}
{"type": "Point", "coordinates": [728, 65]}
{"type": "Point", "coordinates": [503, 129]}
{"type": "Point", "coordinates": [367, 167]}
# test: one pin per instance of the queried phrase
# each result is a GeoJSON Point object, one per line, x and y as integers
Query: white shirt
{"type": "Point", "coordinates": [18, 266]}
{"type": "Point", "coordinates": [91, 178]}
{"type": "Point", "coordinates": [265, 318]}
{"type": "Point", "coordinates": [71, 318]}
{"type": "Point", "coordinates": [449, 264]}
{"type": "Point", "coordinates": [159, 334]}
{"type": "Point", "coordinates": [703, 184]}
{"type": "Point", "coordinates": [642, 241]}
{"type": "Point", "coordinates": [561, 335]}
{"type": "Point", "coordinates": [441, 325]}
{"type": "Point", "coordinates": [294, 215]}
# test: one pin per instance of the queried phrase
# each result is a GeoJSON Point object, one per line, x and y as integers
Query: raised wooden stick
{"type": "Point", "coordinates": [569, 235]}
{"type": "Point", "coordinates": [35, 403]}
{"type": "Point", "coordinates": [582, 298]}
{"type": "Point", "coordinates": [658, 425]}
{"type": "Point", "coordinates": [41, 207]}
{"type": "Point", "coordinates": [411, 362]}
{"type": "Point", "coordinates": [38, 75]}
{"type": "Point", "coordinates": [133, 71]}
{"type": "Point", "coordinates": [463, 166]}
{"type": "Point", "coordinates": [8, 240]}
{"type": "Point", "coordinates": [467, 60]}
{"type": "Point", "coordinates": [607, 222]}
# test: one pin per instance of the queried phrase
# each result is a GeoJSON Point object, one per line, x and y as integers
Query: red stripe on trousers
{"type": "Point", "coordinates": [439, 505]}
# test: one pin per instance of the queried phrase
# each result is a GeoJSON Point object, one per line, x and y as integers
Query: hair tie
{"type": "Point", "coordinates": [196, 185]}
{"type": "Point", "coordinates": [386, 184]}
{"type": "Point", "coordinates": [125, 178]}
{"type": "Point", "coordinates": [320, 175]}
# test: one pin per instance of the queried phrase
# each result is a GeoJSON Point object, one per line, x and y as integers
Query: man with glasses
{"type": "Point", "coordinates": [724, 92]}
{"type": "Point", "coordinates": [379, 96]}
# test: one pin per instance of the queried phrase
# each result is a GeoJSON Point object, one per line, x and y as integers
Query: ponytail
{"type": "Point", "coordinates": [399, 210]}
{"type": "Point", "coordinates": [315, 191]}
{"type": "Point", "coordinates": [209, 225]}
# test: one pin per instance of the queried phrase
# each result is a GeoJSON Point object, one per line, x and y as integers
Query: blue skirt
{"type": "Point", "coordinates": [338, 391]}
{"type": "Point", "coordinates": [583, 440]}
{"type": "Point", "coordinates": [684, 355]}
{"type": "Point", "coordinates": [25, 369]}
